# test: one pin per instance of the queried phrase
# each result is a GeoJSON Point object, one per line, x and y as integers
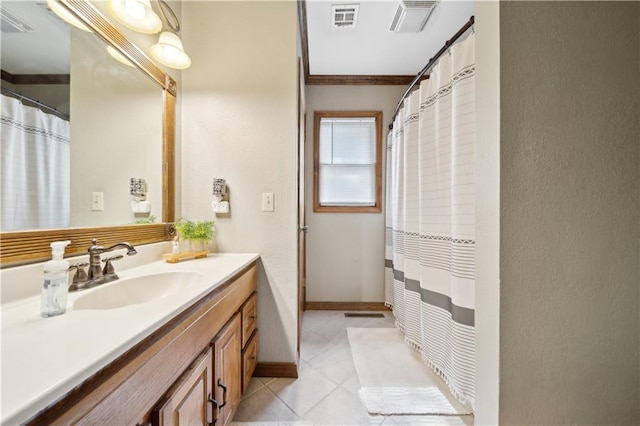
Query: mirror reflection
{"type": "Point", "coordinates": [68, 158]}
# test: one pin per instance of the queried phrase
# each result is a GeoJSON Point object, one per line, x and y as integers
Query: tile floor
{"type": "Point", "coordinates": [326, 390]}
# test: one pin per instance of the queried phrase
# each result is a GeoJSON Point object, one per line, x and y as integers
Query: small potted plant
{"type": "Point", "coordinates": [203, 233]}
{"type": "Point", "coordinates": [197, 234]}
{"type": "Point", "coordinates": [184, 229]}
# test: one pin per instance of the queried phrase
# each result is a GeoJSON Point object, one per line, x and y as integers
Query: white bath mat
{"type": "Point", "coordinates": [393, 377]}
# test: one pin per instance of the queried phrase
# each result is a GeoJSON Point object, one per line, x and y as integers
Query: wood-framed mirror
{"type": "Point", "coordinates": [28, 246]}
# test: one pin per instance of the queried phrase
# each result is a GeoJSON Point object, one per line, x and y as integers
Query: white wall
{"type": "Point", "coordinates": [345, 251]}
{"type": "Point", "coordinates": [487, 314]}
{"type": "Point", "coordinates": [239, 124]}
{"type": "Point", "coordinates": [116, 134]}
{"type": "Point", "coordinates": [569, 212]}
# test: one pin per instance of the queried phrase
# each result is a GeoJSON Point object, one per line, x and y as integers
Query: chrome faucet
{"type": "Point", "coordinates": [96, 275]}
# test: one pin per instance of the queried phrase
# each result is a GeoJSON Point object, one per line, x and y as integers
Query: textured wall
{"type": "Point", "coordinates": [570, 187]}
{"type": "Point", "coordinates": [239, 123]}
{"type": "Point", "coordinates": [345, 251]}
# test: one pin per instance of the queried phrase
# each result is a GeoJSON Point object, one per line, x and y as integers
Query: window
{"type": "Point", "coordinates": [347, 161]}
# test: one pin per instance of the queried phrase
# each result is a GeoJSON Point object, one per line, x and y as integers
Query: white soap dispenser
{"type": "Point", "coordinates": [56, 278]}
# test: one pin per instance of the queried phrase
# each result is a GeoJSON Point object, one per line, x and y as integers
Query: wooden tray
{"type": "Point", "coordinates": [187, 255]}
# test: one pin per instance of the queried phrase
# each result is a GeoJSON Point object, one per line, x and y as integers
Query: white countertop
{"type": "Point", "coordinates": [43, 359]}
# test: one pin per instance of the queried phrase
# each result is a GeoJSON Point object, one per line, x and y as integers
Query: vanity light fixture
{"type": "Point", "coordinates": [66, 15]}
{"type": "Point", "coordinates": [136, 15]}
{"type": "Point", "coordinates": [169, 50]}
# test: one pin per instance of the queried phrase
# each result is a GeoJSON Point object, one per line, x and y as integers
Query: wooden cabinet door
{"type": "Point", "coordinates": [249, 317]}
{"type": "Point", "coordinates": [249, 360]}
{"type": "Point", "coordinates": [187, 402]}
{"type": "Point", "coordinates": [227, 375]}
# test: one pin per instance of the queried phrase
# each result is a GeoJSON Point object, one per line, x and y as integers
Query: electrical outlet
{"type": "Point", "coordinates": [97, 201]}
{"type": "Point", "coordinates": [268, 202]}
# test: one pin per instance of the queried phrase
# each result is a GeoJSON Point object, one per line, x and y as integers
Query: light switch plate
{"type": "Point", "coordinates": [268, 202]}
{"type": "Point", "coordinates": [97, 201]}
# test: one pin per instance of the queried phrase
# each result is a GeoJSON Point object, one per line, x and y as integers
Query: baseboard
{"type": "Point", "coordinates": [276, 369]}
{"type": "Point", "coordinates": [345, 306]}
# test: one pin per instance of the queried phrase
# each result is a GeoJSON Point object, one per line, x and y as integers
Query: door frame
{"type": "Point", "coordinates": [301, 225]}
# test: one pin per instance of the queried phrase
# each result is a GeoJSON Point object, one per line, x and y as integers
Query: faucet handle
{"type": "Point", "coordinates": [80, 278]}
{"type": "Point", "coordinates": [108, 267]}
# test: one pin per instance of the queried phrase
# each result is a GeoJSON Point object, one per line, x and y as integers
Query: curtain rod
{"type": "Point", "coordinates": [22, 97]}
{"type": "Point", "coordinates": [432, 61]}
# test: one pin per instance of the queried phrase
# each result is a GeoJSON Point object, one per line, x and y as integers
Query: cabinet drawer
{"type": "Point", "coordinates": [249, 317]}
{"type": "Point", "coordinates": [249, 360]}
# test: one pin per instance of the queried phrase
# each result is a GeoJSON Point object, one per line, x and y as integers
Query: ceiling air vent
{"type": "Point", "coordinates": [12, 24]}
{"type": "Point", "coordinates": [412, 16]}
{"type": "Point", "coordinates": [344, 15]}
{"type": "Point", "coordinates": [50, 13]}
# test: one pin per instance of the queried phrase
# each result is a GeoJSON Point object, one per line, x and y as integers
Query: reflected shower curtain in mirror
{"type": "Point", "coordinates": [430, 223]}
{"type": "Point", "coordinates": [35, 168]}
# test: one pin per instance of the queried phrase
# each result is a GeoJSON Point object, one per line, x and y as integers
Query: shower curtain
{"type": "Point", "coordinates": [430, 229]}
{"type": "Point", "coordinates": [35, 163]}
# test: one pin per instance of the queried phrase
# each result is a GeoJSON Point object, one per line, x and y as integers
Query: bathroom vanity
{"type": "Point", "coordinates": [183, 357]}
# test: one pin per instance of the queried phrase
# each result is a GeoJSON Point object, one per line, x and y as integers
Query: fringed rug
{"type": "Point", "coordinates": [393, 377]}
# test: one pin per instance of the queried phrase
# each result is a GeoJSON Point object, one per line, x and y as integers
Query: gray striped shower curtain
{"type": "Point", "coordinates": [35, 165]}
{"type": "Point", "coordinates": [430, 222]}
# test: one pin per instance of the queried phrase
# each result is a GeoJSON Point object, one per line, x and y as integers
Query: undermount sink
{"type": "Point", "coordinates": [136, 290]}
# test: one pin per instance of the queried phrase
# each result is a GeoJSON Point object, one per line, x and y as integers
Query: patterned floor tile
{"type": "Point", "coordinates": [263, 406]}
{"type": "Point", "coordinates": [336, 363]}
{"type": "Point", "coordinates": [304, 392]}
{"type": "Point", "coordinates": [341, 408]}
{"type": "Point", "coordinates": [326, 392]}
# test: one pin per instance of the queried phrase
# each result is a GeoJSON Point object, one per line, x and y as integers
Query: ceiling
{"type": "Point", "coordinates": [45, 49]}
{"type": "Point", "coordinates": [370, 48]}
